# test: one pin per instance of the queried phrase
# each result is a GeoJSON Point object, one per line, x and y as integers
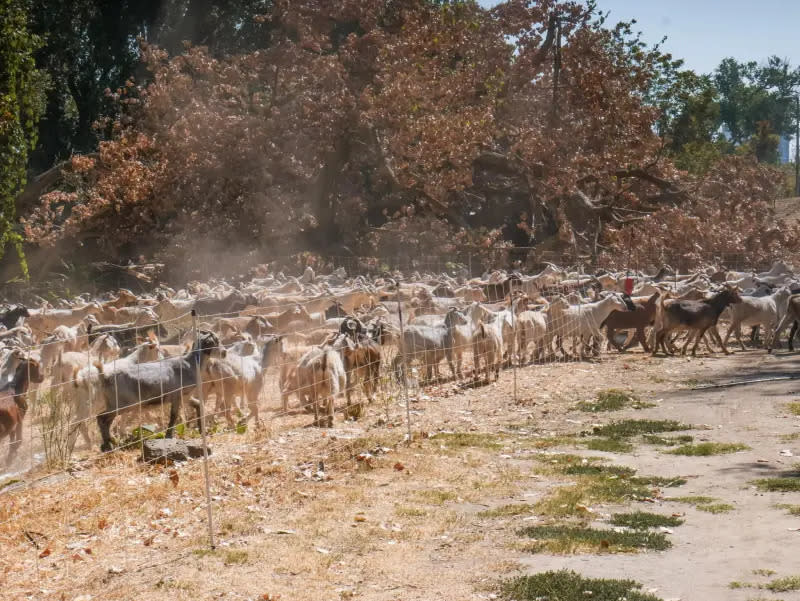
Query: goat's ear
{"type": "Point", "coordinates": [151, 336]}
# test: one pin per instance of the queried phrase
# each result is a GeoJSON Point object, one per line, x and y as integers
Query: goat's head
{"type": "Point", "coordinates": [31, 368]}
{"type": "Point", "coordinates": [93, 308]}
{"type": "Point", "coordinates": [107, 347]}
{"type": "Point", "coordinates": [126, 297]}
{"type": "Point", "coordinates": [732, 294]}
{"type": "Point", "coordinates": [520, 303]}
{"type": "Point", "coordinates": [454, 317]}
{"type": "Point", "coordinates": [352, 327]}
{"type": "Point", "coordinates": [208, 344]}
{"type": "Point", "coordinates": [558, 305]}
{"type": "Point", "coordinates": [271, 351]}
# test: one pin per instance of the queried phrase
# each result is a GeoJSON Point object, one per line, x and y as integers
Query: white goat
{"type": "Point", "coordinates": [765, 311]}
{"type": "Point", "coordinates": [581, 322]}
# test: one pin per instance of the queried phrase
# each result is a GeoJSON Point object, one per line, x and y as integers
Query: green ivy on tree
{"type": "Point", "coordinates": [21, 105]}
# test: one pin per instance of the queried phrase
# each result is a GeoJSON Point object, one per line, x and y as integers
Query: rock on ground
{"type": "Point", "coordinates": [172, 449]}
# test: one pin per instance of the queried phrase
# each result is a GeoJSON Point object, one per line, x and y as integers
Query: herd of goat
{"type": "Point", "coordinates": [327, 336]}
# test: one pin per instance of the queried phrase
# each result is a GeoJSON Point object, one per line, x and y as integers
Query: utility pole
{"type": "Point", "coordinates": [556, 69]}
{"type": "Point", "coordinates": [797, 146]}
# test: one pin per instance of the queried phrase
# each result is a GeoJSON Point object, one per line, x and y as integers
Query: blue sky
{"type": "Point", "coordinates": [703, 32]}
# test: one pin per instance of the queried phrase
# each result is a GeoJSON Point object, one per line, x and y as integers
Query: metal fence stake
{"type": "Point", "coordinates": [405, 366]}
{"type": "Point", "coordinates": [199, 386]}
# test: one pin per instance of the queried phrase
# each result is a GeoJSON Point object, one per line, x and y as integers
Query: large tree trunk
{"type": "Point", "coordinates": [322, 191]}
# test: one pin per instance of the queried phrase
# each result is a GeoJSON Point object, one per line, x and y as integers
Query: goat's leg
{"type": "Point", "coordinates": [768, 329]}
{"type": "Point", "coordinates": [453, 371]}
{"type": "Point", "coordinates": [737, 329]}
{"type": "Point", "coordinates": [174, 413]}
{"type": "Point", "coordinates": [315, 403]}
{"type": "Point", "coordinates": [652, 336]}
{"type": "Point", "coordinates": [688, 341]}
{"type": "Point", "coordinates": [731, 330]}
{"type": "Point", "coordinates": [80, 425]}
{"type": "Point", "coordinates": [792, 333]}
{"type": "Point", "coordinates": [397, 367]}
{"type": "Point", "coordinates": [775, 338]}
{"type": "Point", "coordinates": [348, 379]}
{"type": "Point", "coordinates": [698, 337]}
{"type": "Point", "coordinates": [229, 398]}
{"type": "Point", "coordinates": [718, 339]}
{"type": "Point", "coordinates": [330, 406]}
{"type": "Point", "coordinates": [641, 338]}
{"type": "Point", "coordinates": [522, 346]}
{"type": "Point", "coordinates": [198, 409]}
{"type": "Point", "coordinates": [709, 335]}
{"type": "Point", "coordinates": [283, 378]}
{"type": "Point", "coordinates": [669, 347]}
{"type": "Point", "coordinates": [626, 344]}
{"type": "Point", "coordinates": [104, 421]}
{"type": "Point", "coordinates": [667, 343]}
{"type": "Point", "coordinates": [252, 400]}
{"type": "Point", "coordinates": [373, 379]}
{"type": "Point", "coordinates": [712, 335]}
{"type": "Point", "coordinates": [610, 339]}
{"type": "Point", "coordinates": [559, 340]}
{"type": "Point", "coordinates": [597, 336]}
{"type": "Point", "coordinates": [15, 440]}
{"type": "Point", "coordinates": [10, 454]}
{"type": "Point", "coordinates": [658, 341]}
{"type": "Point", "coordinates": [630, 340]}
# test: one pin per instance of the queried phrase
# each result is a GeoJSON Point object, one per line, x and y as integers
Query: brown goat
{"type": "Point", "coordinates": [13, 404]}
{"type": "Point", "coordinates": [696, 316]}
{"type": "Point", "coordinates": [486, 346]}
{"type": "Point", "coordinates": [792, 315]}
{"type": "Point", "coordinates": [639, 319]}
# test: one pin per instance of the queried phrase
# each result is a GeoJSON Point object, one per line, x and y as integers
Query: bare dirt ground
{"type": "Point", "coordinates": [405, 522]}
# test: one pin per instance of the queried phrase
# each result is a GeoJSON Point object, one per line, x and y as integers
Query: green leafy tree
{"type": "Point", "coordinates": [90, 46]}
{"type": "Point", "coordinates": [21, 105]}
{"type": "Point", "coordinates": [756, 102]}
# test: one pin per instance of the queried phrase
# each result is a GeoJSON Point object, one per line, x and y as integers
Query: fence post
{"type": "Point", "coordinates": [199, 386]}
{"type": "Point", "coordinates": [404, 375]}
{"type": "Point", "coordinates": [513, 339]}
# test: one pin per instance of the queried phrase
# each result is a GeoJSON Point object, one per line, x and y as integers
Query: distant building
{"type": "Point", "coordinates": [784, 154]}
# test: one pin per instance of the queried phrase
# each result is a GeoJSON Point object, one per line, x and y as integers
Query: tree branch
{"type": "Point", "coordinates": [549, 40]}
